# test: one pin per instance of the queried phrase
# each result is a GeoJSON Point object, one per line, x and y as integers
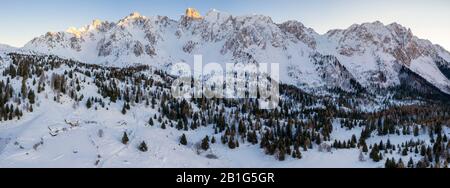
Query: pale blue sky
{"type": "Point", "coordinates": [21, 20]}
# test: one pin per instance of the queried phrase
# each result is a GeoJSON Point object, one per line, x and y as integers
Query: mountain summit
{"type": "Point", "coordinates": [193, 13]}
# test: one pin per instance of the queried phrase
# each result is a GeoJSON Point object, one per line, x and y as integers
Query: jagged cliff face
{"type": "Point", "coordinates": [371, 54]}
{"type": "Point", "coordinates": [382, 49]}
{"type": "Point", "coordinates": [393, 39]}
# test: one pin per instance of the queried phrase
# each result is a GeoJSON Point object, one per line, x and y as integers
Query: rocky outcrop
{"type": "Point", "coordinates": [393, 39]}
{"type": "Point", "coordinates": [300, 32]}
{"type": "Point", "coordinates": [193, 13]}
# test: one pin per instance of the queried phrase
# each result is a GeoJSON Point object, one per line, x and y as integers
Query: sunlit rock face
{"type": "Point", "coordinates": [192, 13]}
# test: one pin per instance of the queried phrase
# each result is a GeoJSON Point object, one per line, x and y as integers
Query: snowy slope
{"type": "Point", "coordinates": [18, 139]}
{"type": "Point", "coordinates": [47, 137]}
{"type": "Point", "coordinates": [63, 132]}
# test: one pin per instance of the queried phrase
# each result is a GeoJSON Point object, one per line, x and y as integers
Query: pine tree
{"type": "Point", "coordinates": [88, 103]}
{"type": "Point", "coordinates": [183, 140]}
{"type": "Point", "coordinates": [143, 146]}
{"type": "Point", "coordinates": [223, 139]}
{"type": "Point", "coordinates": [387, 164]}
{"type": "Point", "coordinates": [353, 140]}
{"type": "Point", "coordinates": [125, 139]}
{"type": "Point", "coordinates": [213, 140]}
{"type": "Point", "coordinates": [388, 144]}
{"type": "Point", "coordinates": [318, 140]}
{"type": "Point", "coordinates": [124, 109]}
{"type": "Point", "coordinates": [381, 145]}
{"type": "Point", "coordinates": [365, 149]}
{"type": "Point", "coordinates": [231, 144]}
{"type": "Point", "coordinates": [153, 103]}
{"type": "Point", "coordinates": [241, 128]}
{"type": "Point", "coordinates": [298, 153]}
{"type": "Point", "coordinates": [410, 163]}
{"type": "Point", "coordinates": [205, 143]}
{"type": "Point", "coordinates": [179, 125]}
{"type": "Point", "coordinates": [24, 88]}
{"type": "Point", "coordinates": [416, 130]}
{"type": "Point", "coordinates": [422, 150]}
{"type": "Point", "coordinates": [405, 151]}
{"type": "Point", "coordinates": [150, 122]}
{"type": "Point", "coordinates": [281, 154]}
{"type": "Point", "coordinates": [31, 97]}
{"type": "Point", "coordinates": [185, 127]}
{"type": "Point", "coordinates": [251, 137]}
{"type": "Point", "coordinates": [374, 153]}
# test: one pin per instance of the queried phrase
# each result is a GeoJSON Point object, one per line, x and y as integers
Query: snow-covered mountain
{"type": "Point", "coordinates": [79, 99]}
{"type": "Point", "coordinates": [370, 53]}
{"type": "Point", "coordinates": [376, 50]}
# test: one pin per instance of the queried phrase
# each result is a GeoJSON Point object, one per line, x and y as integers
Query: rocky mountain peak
{"type": "Point", "coordinates": [300, 32]}
{"type": "Point", "coordinates": [376, 37]}
{"type": "Point", "coordinates": [214, 15]}
{"type": "Point", "coordinates": [134, 15]}
{"type": "Point", "coordinates": [193, 13]}
{"type": "Point", "coordinates": [96, 23]}
{"type": "Point", "coordinates": [132, 18]}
